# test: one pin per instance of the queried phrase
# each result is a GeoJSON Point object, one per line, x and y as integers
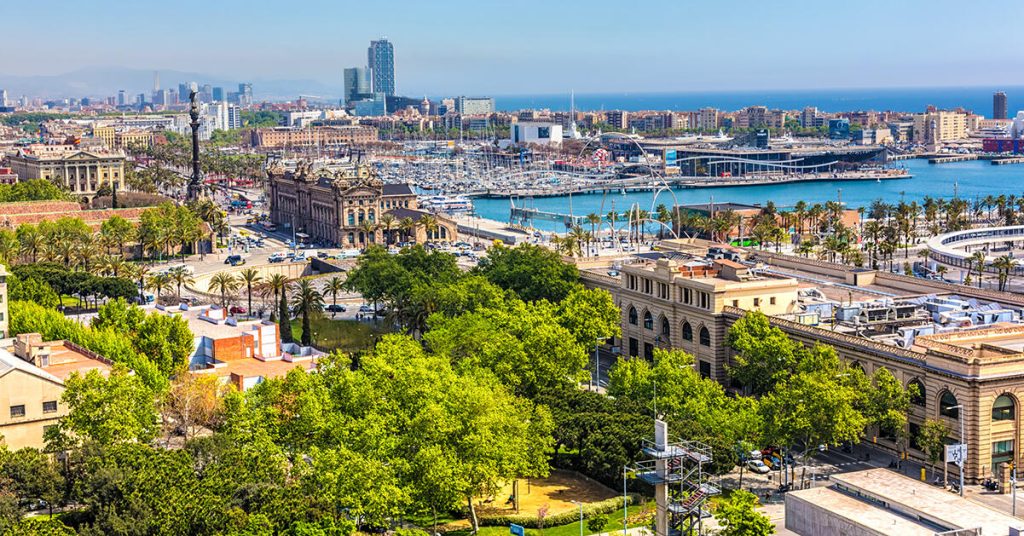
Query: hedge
{"type": "Point", "coordinates": [589, 510]}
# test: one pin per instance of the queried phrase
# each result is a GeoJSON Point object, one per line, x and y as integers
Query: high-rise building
{"type": "Point", "coordinates": [122, 97]}
{"type": "Point", "coordinates": [707, 119]}
{"type": "Point", "coordinates": [999, 105]}
{"type": "Point", "coordinates": [218, 94]}
{"type": "Point", "coordinates": [618, 119]}
{"type": "Point", "coordinates": [357, 84]}
{"type": "Point", "coordinates": [474, 105]}
{"type": "Point", "coordinates": [3, 97]}
{"type": "Point", "coordinates": [245, 94]}
{"type": "Point", "coordinates": [381, 60]}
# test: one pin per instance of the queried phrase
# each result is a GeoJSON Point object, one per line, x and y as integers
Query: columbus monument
{"type": "Point", "coordinates": [196, 188]}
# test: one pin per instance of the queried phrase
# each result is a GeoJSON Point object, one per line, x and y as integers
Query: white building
{"type": "Point", "coordinates": [536, 132]}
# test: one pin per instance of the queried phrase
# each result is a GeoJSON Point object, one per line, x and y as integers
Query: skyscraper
{"type": "Point", "coordinates": [999, 105]}
{"type": "Point", "coordinates": [381, 59]}
{"type": "Point", "coordinates": [357, 84]}
{"type": "Point", "coordinates": [3, 97]}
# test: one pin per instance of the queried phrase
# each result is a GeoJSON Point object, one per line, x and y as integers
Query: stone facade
{"type": "Point", "coordinates": [982, 369]}
{"type": "Point", "coordinates": [80, 172]}
{"type": "Point", "coordinates": [344, 206]}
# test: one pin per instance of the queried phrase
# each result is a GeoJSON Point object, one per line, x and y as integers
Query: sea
{"type": "Point", "coordinates": [976, 99]}
{"type": "Point", "coordinates": [970, 180]}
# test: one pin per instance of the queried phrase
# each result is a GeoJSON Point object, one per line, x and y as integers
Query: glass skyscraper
{"type": "Point", "coordinates": [357, 84]}
{"type": "Point", "coordinates": [381, 59]}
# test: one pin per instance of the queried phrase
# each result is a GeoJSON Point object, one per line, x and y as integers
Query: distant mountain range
{"type": "Point", "coordinates": [98, 82]}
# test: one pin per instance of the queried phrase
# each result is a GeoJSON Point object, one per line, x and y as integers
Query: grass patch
{"type": "Point", "coordinates": [349, 336]}
{"type": "Point", "coordinates": [570, 529]}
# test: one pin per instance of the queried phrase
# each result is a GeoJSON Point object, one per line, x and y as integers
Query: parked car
{"type": "Point", "coordinates": [365, 308]}
{"type": "Point", "coordinates": [277, 257]}
{"type": "Point", "coordinates": [234, 260]}
{"type": "Point", "coordinates": [336, 308]}
{"type": "Point", "coordinates": [237, 310]}
{"type": "Point", "coordinates": [757, 466]}
{"type": "Point", "coordinates": [322, 255]}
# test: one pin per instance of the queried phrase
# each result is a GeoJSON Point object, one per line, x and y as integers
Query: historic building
{"type": "Point", "coordinates": [961, 346]}
{"type": "Point", "coordinates": [81, 172]}
{"type": "Point", "coordinates": [345, 206]}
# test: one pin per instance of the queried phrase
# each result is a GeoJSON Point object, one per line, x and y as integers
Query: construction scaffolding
{"type": "Point", "coordinates": [681, 487]}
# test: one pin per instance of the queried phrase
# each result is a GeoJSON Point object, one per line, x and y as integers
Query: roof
{"type": "Point", "coordinates": [8, 363]}
{"type": "Point", "coordinates": [397, 189]}
{"type": "Point", "coordinates": [402, 213]}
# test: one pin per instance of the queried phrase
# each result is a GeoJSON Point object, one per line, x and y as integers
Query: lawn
{"type": "Point", "coordinates": [572, 529]}
{"type": "Point", "coordinates": [346, 335]}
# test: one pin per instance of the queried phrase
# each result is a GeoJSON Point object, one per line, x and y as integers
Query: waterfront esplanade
{"type": "Point", "coordinates": [956, 248]}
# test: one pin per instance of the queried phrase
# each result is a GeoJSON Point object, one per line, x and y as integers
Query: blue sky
{"type": "Point", "coordinates": [528, 46]}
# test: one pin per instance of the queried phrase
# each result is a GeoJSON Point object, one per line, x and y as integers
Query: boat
{"type": "Point", "coordinates": [444, 203]}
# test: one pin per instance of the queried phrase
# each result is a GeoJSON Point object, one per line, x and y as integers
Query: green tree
{"type": "Point", "coordinates": [167, 341]}
{"type": "Point", "coordinates": [532, 272]}
{"type": "Point", "coordinates": [223, 284]}
{"type": "Point", "coordinates": [92, 399]}
{"type": "Point", "coordinates": [932, 438]}
{"type": "Point", "coordinates": [308, 301]}
{"type": "Point", "coordinates": [117, 230]}
{"type": "Point", "coordinates": [738, 516]}
{"type": "Point", "coordinates": [764, 354]}
{"type": "Point", "coordinates": [249, 277]}
{"type": "Point", "coordinates": [335, 286]}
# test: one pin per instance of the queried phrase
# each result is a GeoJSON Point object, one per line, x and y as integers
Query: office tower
{"type": "Point", "coordinates": [999, 105]}
{"type": "Point", "coordinates": [381, 60]}
{"type": "Point", "coordinates": [357, 84]}
{"type": "Point", "coordinates": [183, 90]}
{"type": "Point", "coordinates": [218, 94]}
{"type": "Point", "coordinates": [245, 94]}
{"type": "Point", "coordinates": [206, 93]}
{"type": "Point", "coordinates": [156, 81]}
{"type": "Point", "coordinates": [122, 97]}
{"type": "Point", "coordinates": [474, 105]}
{"type": "Point", "coordinates": [3, 97]}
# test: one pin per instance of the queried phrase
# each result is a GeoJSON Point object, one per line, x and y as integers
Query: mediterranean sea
{"type": "Point", "coordinates": [971, 180]}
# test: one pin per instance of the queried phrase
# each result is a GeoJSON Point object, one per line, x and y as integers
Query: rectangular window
{"type": "Point", "coordinates": [705, 300]}
{"type": "Point", "coordinates": [771, 300]}
{"type": "Point", "coordinates": [647, 286]}
{"type": "Point", "coordinates": [18, 411]}
{"type": "Point", "coordinates": [687, 296]}
{"type": "Point", "coordinates": [634, 347]}
{"type": "Point", "coordinates": [705, 369]}
{"type": "Point", "coordinates": [50, 406]}
{"type": "Point", "coordinates": [735, 303]}
{"type": "Point", "coordinates": [648, 351]}
{"type": "Point", "coordinates": [757, 302]}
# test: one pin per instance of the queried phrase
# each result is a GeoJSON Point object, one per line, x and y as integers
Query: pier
{"type": "Point", "coordinates": [952, 158]}
{"type": "Point", "coordinates": [1008, 160]}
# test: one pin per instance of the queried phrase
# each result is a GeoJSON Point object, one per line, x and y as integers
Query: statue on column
{"type": "Point", "coordinates": [196, 189]}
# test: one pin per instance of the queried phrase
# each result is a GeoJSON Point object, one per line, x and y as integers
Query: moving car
{"type": "Point", "coordinates": [335, 308]}
{"type": "Point", "coordinates": [234, 260]}
{"type": "Point", "coordinates": [277, 257]}
{"type": "Point", "coordinates": [237, 310]}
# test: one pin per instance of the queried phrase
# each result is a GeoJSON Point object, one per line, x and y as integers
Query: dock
{"type": "Point", "coordinates": [952, 158]}
{"type": "Point", "coordinates": [1008, 160]}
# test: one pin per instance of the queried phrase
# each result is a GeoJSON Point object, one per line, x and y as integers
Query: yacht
{"type": "Point", "coordinates": [444, 203]}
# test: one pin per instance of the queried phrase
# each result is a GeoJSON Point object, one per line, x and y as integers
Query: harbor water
{"type": "Point", "coordinates": [971, 180]}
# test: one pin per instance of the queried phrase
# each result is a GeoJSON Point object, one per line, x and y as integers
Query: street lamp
{"type": "Point", "coordinates": [960, 417]}
{"type": "Point", "coordinates": [596, 382]}
{"type": "Point", "coordinates": [581, 516]}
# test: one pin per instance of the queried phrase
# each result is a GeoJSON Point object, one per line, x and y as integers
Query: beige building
{"type": "Point", "coordinates": [32, 376]}
{"type": "Point", "coordinates": [344, 206]}
{"type": "Point", "coordinates": [283, 137]}
{"type": "Point", "coordinates": [962, 347]}
{"type": "Point", "coordinates": [78, 171]}
{"type": "Point", "coordinates": [940, 126]}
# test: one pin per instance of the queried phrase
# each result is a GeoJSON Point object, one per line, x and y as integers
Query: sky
{"type": "Point", "coordinates": [530, 46]}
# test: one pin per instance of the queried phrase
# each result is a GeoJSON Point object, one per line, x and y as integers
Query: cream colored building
{"type": "Point", "coordinates": [962, 347]}
{"type": "Point", "coordinates": [940, 126]}
{"type": "Point", "coordinates": [80, 172]}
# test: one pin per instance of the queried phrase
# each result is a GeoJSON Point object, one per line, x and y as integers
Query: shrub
{"type": "Point", "coordinates": [589, 510]}
{"type": "Point", "coordinates": [597, 523]}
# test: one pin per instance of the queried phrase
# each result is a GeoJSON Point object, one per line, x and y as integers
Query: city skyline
{"type": "Point", "coordinates": [667, 47]}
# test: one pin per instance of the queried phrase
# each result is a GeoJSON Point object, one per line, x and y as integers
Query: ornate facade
{"type": "Point", "coordinates": [345, 207]}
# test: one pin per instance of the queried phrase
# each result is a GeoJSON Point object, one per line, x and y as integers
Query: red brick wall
{"type": "Point", "coordinates": [15, 214]}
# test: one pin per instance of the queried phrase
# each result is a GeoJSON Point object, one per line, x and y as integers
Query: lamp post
{"type": "Point", "coordinates": [581, 516]}
{"type": "Point", "coordinates": [959, 408]}
{"type": "Point", "coordinates": [596, 383]}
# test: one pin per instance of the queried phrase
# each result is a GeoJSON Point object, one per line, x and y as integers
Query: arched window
{"type": "Point", "coordinates": [918, 399]}
{"type": "Point", "coordinates": [648, 320]}
{"type": "Point", "coordinates": [369, 215]}
{"type": "Point", "coordinates": [665, 329]}
{"type": "Point", "coordinates": [705, 336]}
{"type": "Point", "coordinates": [857, 365]}
{"type": "Point", "coordinates": [362, 215]}
{"type": "Point", "coordinates": [632, 315]}
{"type": "Point", "coordinates": [1002, 409]}
{"type": "Point", "coordinates": [444, 233]}
{"type": "Point", "coordinates": [948, 406]}
{"type": "Point", "coordinates": [687, 331]}
{"type": "Point", "coordinates": [351, 218]}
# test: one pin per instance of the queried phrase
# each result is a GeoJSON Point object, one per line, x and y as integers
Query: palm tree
{"type": "Point", "coordinates": [369, 229]}
{"type": "Point", "coordinates": [429, 225]}
{"type": "Point", "coordinates": [307, 300]}
{"type": "Point", "coordinates": [223, 283]}
{"type": "Point", "coordinates": [159, 283]}
{"type": "Point", "coordinates": [249, 277]}
{"type": "Point", "coordinates": [1004, 265]}
{"type": "Point", "coordinates": [977, 260]}
{"type": "Point", "coordinates": [387, 221]}
{"type": "Point", "coordinates": [32, 241]}
{"type": "Point", "coordinates": [180, 276]}
{"type": "Point", "coordinates": [276, 284]}
{"type": "Point", "coordinates": [408, 227]}
{"type": "Point", "coordinates": [335, 286]}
